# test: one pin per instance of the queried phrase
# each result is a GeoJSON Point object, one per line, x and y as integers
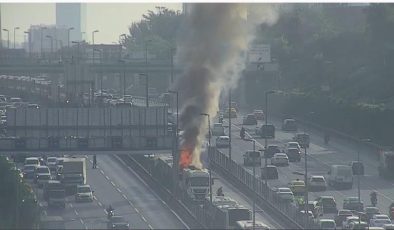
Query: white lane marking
{"type": "Point", "coordinates": [99, 203]}
{"type": "Point", "coordinates": [80, 220]}
{"type": "Point", "coordinates": [113, 184]}
{"type": "Point", "coordinates": [94, 197]}
{"type": "Point", "coordinates": [124, 196]}
{"type": "Point", "coordinates": [107, 177]}
{"type": "Point", "coordinates": [71, 205]}
{"type": "Point", "coordinates": [102, 172]}
{"type": "Point", "coordinates": [76, 212]}
{"type": "Point", "coordinates": [119, 190]}
{"type": "Point", "coordinates": [150, 226]}
{"type": "Point", "coordinates": [153, 192]}
{"type": "Point", "coordinates": [136, 210]}
{"type": "Point", "coordinates": [143, 218]}
{"type": "Point", "coordinates": [105, 210]}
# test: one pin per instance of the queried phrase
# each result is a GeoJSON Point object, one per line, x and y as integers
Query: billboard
{"type": "Point", "coordinates": [259, 51]}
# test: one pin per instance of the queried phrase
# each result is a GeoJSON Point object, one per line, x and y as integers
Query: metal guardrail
{"type": "Point", "coordinates": [143, 169]}
{"type": "Point", "coordinates": [266, 197]}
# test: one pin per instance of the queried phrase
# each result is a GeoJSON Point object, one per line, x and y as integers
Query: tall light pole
{"type": "Point", "coordinates": [95, 31]}
{"type": "Point", "coordinates": [176, 150]}
{"type": "Point", "coordinates": [265, 136]}
{"type": "Point", "coordinates": [51, 55]}
{"type": "Point", "coordinates": [124, 76]}
{"type": "Point", "coordinates": [146, 72]}
{"type": "Point", "coordinates": [15, 28]}
{"type": "Point", "coordinates": [358, 173]}
{"type": "Point", "coordinates": [306, 198]}
{"type": "Point", "coordinates": [209, 155]}
{"type": "Point", "coordinates": [68, 36]}
{"type": "Point", "coordinates": [172, 63]}
{"type": "Point", "coordinates": [229, 123]}
{"type": "Point", "coordinates": [29, 39]}
{"type": "Point", "coordinates": [77, 63]}
{"type": "Point", "coordinates": [255, 158]}
{"type": "Point", "coordinates": [41, 39]}
{"type": "Point", "coordinates": [8, 37]}
{"type": "Point", "coordinates": [101, 72]}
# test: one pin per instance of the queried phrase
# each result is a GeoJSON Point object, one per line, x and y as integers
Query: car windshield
{"type": "Point", "coordinates": [83, 189]}
{"type": "Point", "coordinates": [345, 213]}
{"type": "Point", "coordinates": [328, 201]}
{"type": "Point", "coordinates": [42, 170]}
{"type": "Point", "coordinates": [199, 181]}
{"type": "Point", "coordinates": [284, 190]}
{"type": "Point", "coordinates": [51, 160]}
{"type": "Point", "coordinates": [317, 179]}
{"type": "Point", "coordinates": [299, 183]}
{"type": "Point", "coordinates": [371, 210]}
{"type": "Point", "coordinates": [31, 162]}
{"type": "Point", "coordinates": [327, 224]}
{"type": "Point", "coordinates": [381, 217]}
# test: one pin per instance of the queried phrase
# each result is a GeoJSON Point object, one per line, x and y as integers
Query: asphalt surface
{"type": "Point", "coordinates": [320, 157]}
{"type": "Point", "coordinates": [115, 184]}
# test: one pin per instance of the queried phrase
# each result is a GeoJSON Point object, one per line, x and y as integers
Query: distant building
{"type": "Point", "coordinates": [108, 53]}
{"type": "Point", "coordinates": [39, 41]}
{"type": "Point", "coordinates": [70, 15]}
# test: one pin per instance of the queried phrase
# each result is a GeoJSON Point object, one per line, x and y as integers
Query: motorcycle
{"type": "Point", "coordinates": [374, 199]}
{"type": "Point", "coordinates": [110, 212]}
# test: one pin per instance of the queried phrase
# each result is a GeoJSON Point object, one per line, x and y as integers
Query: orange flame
{"type": "Point", "coordinates": [185, 158]}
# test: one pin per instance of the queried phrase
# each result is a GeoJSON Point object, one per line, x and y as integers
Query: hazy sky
{"type": "Point", "coordinates": [111, 19]}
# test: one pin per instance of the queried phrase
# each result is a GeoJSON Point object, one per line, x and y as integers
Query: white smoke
{"type": "Point", "coordinates": [212, 51]}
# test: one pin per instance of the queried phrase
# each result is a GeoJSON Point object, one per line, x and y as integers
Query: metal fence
{"type": "Point", "coordinates": [265, 196]}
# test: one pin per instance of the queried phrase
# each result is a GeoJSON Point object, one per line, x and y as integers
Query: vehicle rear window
{"type": "Point", "coordinates": [317, 179]}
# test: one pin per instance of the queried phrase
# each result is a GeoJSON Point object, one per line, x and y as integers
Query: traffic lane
{"type": "Point", "coordinates": [236, 194]}
{"type": "Point", "coordinates": [106, 193]}
{"type": "Point", "coordinates": [153, 211]}
{"type": "Point", "coordinates": [331, 156]}
{"type": "Point", "coordinates": [71, 218]}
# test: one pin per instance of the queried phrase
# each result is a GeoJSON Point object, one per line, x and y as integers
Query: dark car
{"type": "Point", "coordinates": [270, 172]}
{"type": "Point", "coordinates": [293, 154]}
{"type": "Point", "coordinates": [250, 119]}
{"type": "Point", "coordinates": [289, 125]}
{"type": "Point", "coordinates": [357, 167]}
{"type": "Point", "coordinates": [271, 150]}
{"type": "Point", "coordinates": [117, 222]}
{"type": "Point", "coordinates": [327, 203]}
{"type": "Point", "coordinates": [341, 216]}
{"type": "Point", "coordinates": [351, 203]}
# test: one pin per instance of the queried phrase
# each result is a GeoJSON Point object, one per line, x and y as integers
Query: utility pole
{"type": "Point", "coordinates": [15, 28]}
{"type": "Point", "coordinates": [229, 123]}
{"type": "Point", "coordinates": [95, 31]}
{"type": "Point", "coordinates": [146, 73]}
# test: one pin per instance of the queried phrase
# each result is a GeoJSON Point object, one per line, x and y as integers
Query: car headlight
{"type": "Point", "coordinates": [113, 225]}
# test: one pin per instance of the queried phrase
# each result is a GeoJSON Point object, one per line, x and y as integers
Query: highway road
{"type": "Point", "coordinates": [320, 157]}
{"type": "Point", "coordinates": [115, 184]}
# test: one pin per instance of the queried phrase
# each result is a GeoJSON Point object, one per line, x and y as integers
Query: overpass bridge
{"type": "Point", "coordinates": [96, 68]}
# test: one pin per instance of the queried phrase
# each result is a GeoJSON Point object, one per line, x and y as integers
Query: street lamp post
{"type": "Point", "coordinates": [358, 173]}
{"type": "Point", "coordinates": [172, 63]}
{"type": "Point", "coordinates": [146, 72]}
{"type": "Point", "coordinates": [229, 123]}
{"type": "Point", "coordinates": [68, 36]}
{"type": "Point", "coordinates": [101, 72]}
{"type": "Point", "coordinates": [50, 56]}
{"type": "Point", "coordinates": [124, 76]}
{"type": "Point", "coordinates": [29, 39]}
{"type": "Point", "coordinates": [306, 198]}
{"type": "Point", "coordinates": [8, 37]}
{"type": "Point", "coordinates": [254, 182]}
{"type": "Point", "coordinates": [175, 156]}
{"type": "Point", "coordinates": [77, 64]}
{"type": "Point", "coordinates": [15, 28]}
{"type": "Point", "coordinates": [41, 39]}
{"type": "Point", "coordinates": [209, 155]}
{"type": "Point", "coordinates": [95, 31]}
{"type": "Point", "coordinates": [265, 137]}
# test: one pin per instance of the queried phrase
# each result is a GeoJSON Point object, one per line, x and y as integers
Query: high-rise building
{"type": "Point", "coordinates": [72, 15]}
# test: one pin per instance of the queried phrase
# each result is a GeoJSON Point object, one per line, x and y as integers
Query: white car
{"type": "Point", "coordinates": [280, 159]}
{"type": "Point", "coordinates": [222, 142]}
{"type": "Point", "coordinates": [293, 144]}
{"type": "Point", "coordinates": [84, 193]}
{"type": "Point", "coordinates": [317, 182]}
{"type": "Point", "coordinates": [327, 224]}
{"type": "Point", "coordinates": [51, 163]}
{"type": "Point", "coordinates": [32, 161]}
{"type": "Point", "coordinates": [379, 220]}
{"type": "Point", "coordinates": [348, 220]}
{"type": "Point", "coordinates": [42, 175]}
{"type": "Point", "coordinates": [285, 194]}
{"type": "Point", "coordinates": [218, 129]}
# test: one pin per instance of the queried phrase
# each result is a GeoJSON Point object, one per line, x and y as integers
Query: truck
{"type": "Point", "coordinates": [74, 173]}
{"type": "Point", "coordinates": [386, 164]}
{"type": "Point", "coordinates": [225, 212]}
{"type": "Point", "coordinates": [54, 194]}
{"type": "Point", "coordinates": [193, 182]}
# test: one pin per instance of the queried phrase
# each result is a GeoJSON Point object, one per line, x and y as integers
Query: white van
{"type": "Point", "coordinates": [340, 175]}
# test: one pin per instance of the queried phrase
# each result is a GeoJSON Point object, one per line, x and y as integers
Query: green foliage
{"type": "Point", "coordinates": [160, 28]}
{"type": "Point", "coordinates": [14, 191]}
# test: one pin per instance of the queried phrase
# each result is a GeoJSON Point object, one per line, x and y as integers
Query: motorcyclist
{"type": "Point", "coordinates": [374, 199]}
{"type": "Point", "coordinates": [94, 161]}
{"type": "Point", "coordinates": [219, 192]}
{"type": "Point", "coordinates": [221, 119]}
{"type": "Point", "coordinates": [242, 133]}
{"type": "Point", "coordinates": [110, 211]}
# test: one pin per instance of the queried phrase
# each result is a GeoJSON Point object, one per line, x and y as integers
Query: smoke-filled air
{"type": "Point", "coordinates": [211, 50]}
